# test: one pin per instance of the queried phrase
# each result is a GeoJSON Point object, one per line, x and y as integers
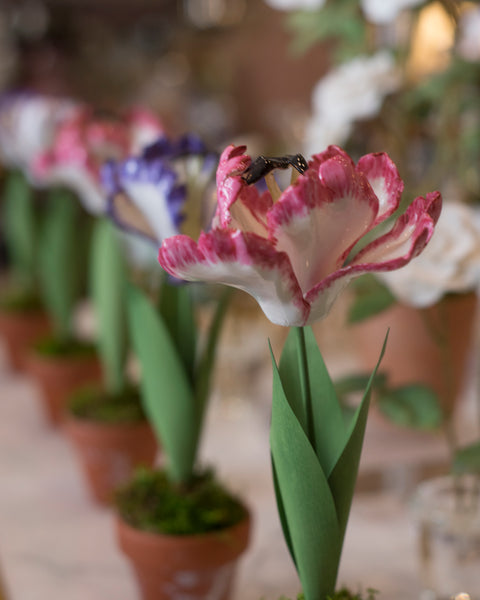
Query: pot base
{"type": "Point", "coordinates": [19, 331]}
{"type": "Point", "coordinates": [58, 377]}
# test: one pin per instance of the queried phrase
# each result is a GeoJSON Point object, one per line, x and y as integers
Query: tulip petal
{"type": "Point", "coordinates": [239, 205]}
{"type": "Point", "coordinates": [318, 220]}
{"type": "Point", "coordinates": [407, 239]}
{"type": "Point", "coordinates": [383, 176]}
{"type": "Point", "coordinates": [242, 260]}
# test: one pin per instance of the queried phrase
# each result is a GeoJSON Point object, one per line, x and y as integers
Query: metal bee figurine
{"type": "Point", "coordinates": [262, 166]}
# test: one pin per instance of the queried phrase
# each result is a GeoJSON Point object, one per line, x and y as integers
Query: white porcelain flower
{"type": "Point", "coordinates": [469, 35]}
{"type": "Point", "coordinates": [86, 141]}
{"type": "Point", "coordinates": [295, 4]}
{"type": "Point", "coordinates": [353, 91]}
{"type": "Point", "coordinates": [382, 12]}
{"type": "Point", "coordinates": [450, 263]}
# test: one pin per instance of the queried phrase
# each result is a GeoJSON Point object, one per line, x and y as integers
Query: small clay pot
{"type": "Point", "coordinates": [57, 377]}
{"type": "Point", "coordinates": [198, 567]}
{"type": "Point", "coordinates": [20, 329]}
{"type": "Point", "coordinates": [110, 452]}
{"type": "Point", "coordinates": [413, 355]}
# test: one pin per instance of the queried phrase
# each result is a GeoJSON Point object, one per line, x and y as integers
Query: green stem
{"type": "Point", "coordinates": [305, 384]}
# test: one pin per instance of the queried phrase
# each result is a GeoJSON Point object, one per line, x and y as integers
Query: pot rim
{"type": "Point", "coordinates": [227, 543]}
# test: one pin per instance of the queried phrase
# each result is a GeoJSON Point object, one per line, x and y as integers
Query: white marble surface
{"type": "Point", "coordinates": [55, 544]}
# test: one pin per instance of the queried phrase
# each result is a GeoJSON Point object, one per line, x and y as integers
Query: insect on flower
{"type": "Point", "coordinates": [263, 165]}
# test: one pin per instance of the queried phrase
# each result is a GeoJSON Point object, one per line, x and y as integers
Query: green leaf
{"type": "Point", "coordinates": [314, 503]}
{"type": "Point", "coordinates": [19, 229]}
{"type": "Point", "coordinates": [320, 413]}
{"type": "Point", "coordinates": [166, 391]}
{"type": "Point", "coordinates": [305, 501]}
{"type": "Point", "coordinates": [467, 460]}
{"type": "Point", "coordinates": [414, 405]}
{"type": "Point", "coordinates": [206, 362]}
{"type": "Point", "coordinates": [176, 308]}
{"type": "Point", "coordinates": [371, 297]}
{"type": "Point", "coordinates": [108, 278]}
{"type": "Point", "coordinates": [344, 475]}
{"type": "Point", "coordinates": [60, 261]}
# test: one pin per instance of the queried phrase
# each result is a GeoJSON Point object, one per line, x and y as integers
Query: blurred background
{"type": "Point", "coordinates": [288, 76]}
{"type": "Point", "coordinates": [219, 68]}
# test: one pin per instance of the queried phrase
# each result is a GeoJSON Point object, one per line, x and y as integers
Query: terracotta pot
{"type": "Point", "coordinates": [57, 377]}
{"type": "Point", "coordinates": [197, 567]}
{"type": "Point", "coordinates": [19, 330]}
{"type": "Point", "coordinates": [413, 354]}
{"type": "Point", "coordinates": [110, 452]}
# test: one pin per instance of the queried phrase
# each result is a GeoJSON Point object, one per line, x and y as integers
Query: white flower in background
{"type": "Point", "coordinates": [382, 12]}
{"type": "Point", "coordinates": [28, 124]}
{"type": "Point", "coordinates": [295, 4]}
{"type": "Point", "coordinates": [450, 263]}
{"type": "Point", "coordinates": [353, 91]}
{"type": "Point", "coordinates": [468, 45]}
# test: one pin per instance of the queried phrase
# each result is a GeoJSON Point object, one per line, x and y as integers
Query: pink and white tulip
{"type": "Point", "coordinates": [297, 252]}
{"type": "Point", "coordinates": [86, 141]}
{"type": "Point", "coordinates": [28, 123]}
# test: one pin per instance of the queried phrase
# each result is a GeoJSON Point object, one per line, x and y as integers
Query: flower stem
{"type": "Point", "coordinates": [305, 384]}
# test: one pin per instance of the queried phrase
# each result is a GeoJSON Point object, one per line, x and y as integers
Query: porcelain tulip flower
{"type": "Point", "coordinates": [28, 123]}
{"type": "Point", "coordinates": [165, 190]}
{"type": "Point", "coordinates": [295, 251]}
{"type": "Point", "coordinates": [84, 142]}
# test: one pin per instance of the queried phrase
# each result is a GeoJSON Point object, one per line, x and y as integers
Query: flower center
{"type": "Point", "coordinates": [263, 166]}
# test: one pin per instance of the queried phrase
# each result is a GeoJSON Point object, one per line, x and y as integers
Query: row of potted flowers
{"type": "Point", "coordinates": [58, 163]}
{"type": "Point", "coordinates": [294, 251]}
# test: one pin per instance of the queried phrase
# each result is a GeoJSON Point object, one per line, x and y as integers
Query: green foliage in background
{"type": "Point", "coordinates": [61, 259]}
{"type": "Point", "coordinates": [176, 372]}
{"type": "Point", "coordinates": [19, 228]}
{"type": "Point", "coordinates": [108, 288]}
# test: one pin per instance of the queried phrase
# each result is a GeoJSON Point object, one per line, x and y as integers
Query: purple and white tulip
{"type": "Point", "coordinates": [296, 250]}
{"type": "Point", "coordinates": [165, 191]}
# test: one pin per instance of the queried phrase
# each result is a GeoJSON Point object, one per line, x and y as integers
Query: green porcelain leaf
{"type": "Point", "coordinates": [108, 280]}
{"type": "Point", "coordinates": [306, 504]}
{"type": "Point", "coordinates": [315, 458]}
{"type": "Point", "coordinates": [167, 394]}
{"type": "Point", "coordinates": [61, 270]}
{"type": "Point", "coordinates": [176, 308]}
{"type": "Point", "coordinates": [20, 228]}
{"type": "Point", "coordinates": [344, 475]}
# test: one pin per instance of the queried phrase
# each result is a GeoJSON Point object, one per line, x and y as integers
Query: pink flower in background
{"type": "Point", "coordinates": [296, 251]}
{"type": "Point", "coordinates": [84, 142]}
{"type": "Point", "coordinates": [28, 123]}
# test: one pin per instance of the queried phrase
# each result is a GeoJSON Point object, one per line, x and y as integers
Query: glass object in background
{"type": "Point", "coordinates": [447, 511]}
